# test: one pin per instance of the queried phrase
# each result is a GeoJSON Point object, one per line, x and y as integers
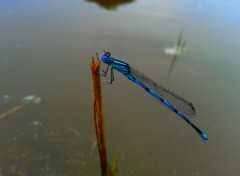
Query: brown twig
{"type": "Point", "coordinates": [98, 116]}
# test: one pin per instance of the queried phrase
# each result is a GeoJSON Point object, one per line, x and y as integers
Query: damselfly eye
{"type": "Point", "coordinates": [105, 59]}
{"type": "Point", "coordinates": [106, 53]}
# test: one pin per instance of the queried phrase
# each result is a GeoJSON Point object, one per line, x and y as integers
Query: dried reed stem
{"type": "Point", "coordinates": [98, 116]}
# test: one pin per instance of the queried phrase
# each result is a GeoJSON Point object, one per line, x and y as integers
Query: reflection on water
{"type": "Point", "coordinates": [110, 4]}
{"type": "Point", "coordinates": [172, 65]}
{"type": "Point", "coordinates": [176, 51]}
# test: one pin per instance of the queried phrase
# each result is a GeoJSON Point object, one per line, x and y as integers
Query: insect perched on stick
{"type": "Point", "coordinates": [175, 103]}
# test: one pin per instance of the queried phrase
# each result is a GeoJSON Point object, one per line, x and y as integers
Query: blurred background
{"type": "Point", "coordinates": [46, 49]}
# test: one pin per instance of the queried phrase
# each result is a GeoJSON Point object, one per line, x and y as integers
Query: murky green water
{"type": "Point", "coordinates": [46, 49]}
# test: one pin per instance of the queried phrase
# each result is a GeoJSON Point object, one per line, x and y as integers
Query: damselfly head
{"type": "Point", "coordinates": [106, 53]}
{"type": "Point", "coordinates": [105, 58]}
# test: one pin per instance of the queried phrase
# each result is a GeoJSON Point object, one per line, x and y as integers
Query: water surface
{"type": "Point", "coordinates": [46, 49]}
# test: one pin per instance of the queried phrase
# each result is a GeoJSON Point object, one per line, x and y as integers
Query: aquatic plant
{"type": "Point", "coordinates": [106, 169]}
{"type": "Point", "coordinates": [179, 48]}
{"type": "Point", "coordinates": [176, 51]}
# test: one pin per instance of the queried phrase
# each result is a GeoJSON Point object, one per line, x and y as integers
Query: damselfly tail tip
{"type": "Point", "coordinates": [204, 136]}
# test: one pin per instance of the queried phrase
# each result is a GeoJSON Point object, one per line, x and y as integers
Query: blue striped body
{"type": "Point", "coordinates": [152, 88]}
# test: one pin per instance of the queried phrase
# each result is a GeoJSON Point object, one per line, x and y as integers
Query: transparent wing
{"type": "Point", "coordinates": [179, 103]}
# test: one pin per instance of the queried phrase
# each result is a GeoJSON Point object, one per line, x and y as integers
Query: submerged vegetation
{"type": "Point", "coordinates": [29, 99]}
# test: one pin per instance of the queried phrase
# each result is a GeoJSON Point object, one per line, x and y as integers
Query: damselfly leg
{"type": "Point", "coordinates": [105, 74]}
{"type": "Point", "coordinates": [112, 76]}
